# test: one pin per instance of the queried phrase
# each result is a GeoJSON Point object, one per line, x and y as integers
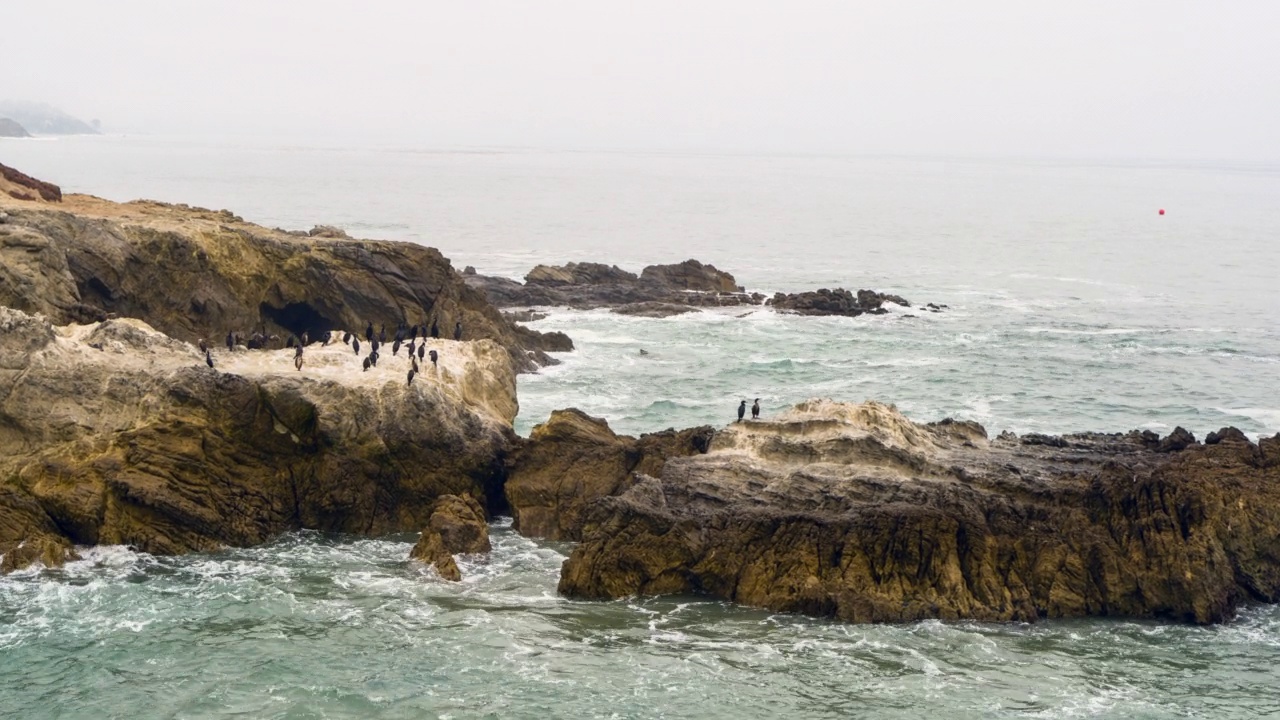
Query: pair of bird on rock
{"type": "Point", "coordinates": [755, 410]}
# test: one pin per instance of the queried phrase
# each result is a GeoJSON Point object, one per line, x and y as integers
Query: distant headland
{"type": "Point", "coordinates": [20, 118]}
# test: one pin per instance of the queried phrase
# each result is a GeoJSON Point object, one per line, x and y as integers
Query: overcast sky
{"type": "Point", "coordinates": [1082, 78]}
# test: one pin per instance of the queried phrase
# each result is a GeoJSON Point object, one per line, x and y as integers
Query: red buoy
{"type": "Point", "coordinates": [1161, 211]}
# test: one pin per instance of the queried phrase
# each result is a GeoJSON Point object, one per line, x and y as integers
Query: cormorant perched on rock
{"type": "Point", "coordinates": [306, 338]}
{"type": "Point", "coordinates": [742, 410]}
{"type": "Point", "coordinates": [356, 344]}
{"type": "Point", "coordinates": [435, 329]}
{"type": "Point", "coordinates": [326, 338]}
{"type": "Point", "coordinates": [434, 358]}
{"type": "Point", "coordinates": [755, 410]}
{"type": "Point", "coordinates": [374, 345]}
{"type": "Point", "coordinates": [373, 358]}
{"type": "Point", "coordinates": [204, 346]}
{"type": "Point", "coordinates": [208, 359]}
{"type": "Point", "coordinates": [297, 358]}
{"type": "Point", "coordinates": [346, 338]}
{"type": "Point", "coordinates": [400, 332]}
{"type": "Point", "coordinates": [368, 332]}
{"type": "Point", "coordinates": [412, 372]}
{"type": "Point", "coordinates": [366, 363]}
{"type": "Point", "coordinates": [414, 362]}
{"type": "Point", "coordinates": [413, 347]}
{"type": "Point", "coordinates": [457, 331]}
{"type": "Point", "coordinates": [413, 333]}
{"type": "Point", "coordinates": [422, 349]}
{"type": "Point", "coordinates": [395, 347]}
{"type": "Point", "coordinates": [382, 335]}
{"type": "Point", "coordinates": [231, 341]}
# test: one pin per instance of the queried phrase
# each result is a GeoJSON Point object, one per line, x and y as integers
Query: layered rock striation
{"type": "Point", "coordinates": [114, 433]}
{"type": "Point", "coordinates": [689, 284]}
{"type": "Point", "coordinates": [855, 512]}
{"type": "Point", "coordinates": [193, 273]}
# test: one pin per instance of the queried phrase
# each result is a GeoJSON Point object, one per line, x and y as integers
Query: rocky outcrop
{"type": "Point", "coordinates": [835, 302]}
{"type": "Point", "coordinates": [460, 520]}
{"type": "Point", "coordinates": [574, 459]}
{"type": "Point", "coordinates": [20, 186]}
{"type": "Point", "coordinates": [113, 433]}
{"type": "Point", "coordinates": [194, 273]}
{"type": "Point", "coordinates": [12, 129]}
{"type": "Point", "coordinates": [430, 549]}
{"type": "Point", "coordinates": [855, 512]}
{"type": "Point", "coordinates": [689, 284]}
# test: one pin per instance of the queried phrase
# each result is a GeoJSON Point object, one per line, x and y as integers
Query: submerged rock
{"type": "Point", "coordinates": [114, 433]}
{"type": "Point", "coordinates": [855, 512]}
{"type": "Point", "coordinates": [431, 549]}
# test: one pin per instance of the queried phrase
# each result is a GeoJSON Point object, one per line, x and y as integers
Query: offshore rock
{"type": "Point", "coordinates": [113, 433]}
{"type": "Point", "coordinates": [835, 302]}
{"type": "Point", "coordinates": [430, 549]}
{"type": "Point", "coordinates": [596, 285]}
{"type": "Point", "coordinates": [460, 521]}
{"type": "Point", "coordinates": [855, 512]}
{"type": "Point", "coordinates": [193, 273]}
{"type": "Point", "coordinates": [574, 459]}
{"type": "Point", "coordinates": [11, 128]}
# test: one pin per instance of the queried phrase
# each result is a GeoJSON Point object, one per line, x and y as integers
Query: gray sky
{"type": "Point", "coordinates": [1084, 78]}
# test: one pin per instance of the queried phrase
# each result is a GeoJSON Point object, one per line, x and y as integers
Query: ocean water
{"type": "Point", "coordinates": [1073, 305]}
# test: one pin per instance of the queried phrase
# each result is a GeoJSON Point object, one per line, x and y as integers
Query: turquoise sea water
{"type": "Point", "coordinates": [1073, 306]}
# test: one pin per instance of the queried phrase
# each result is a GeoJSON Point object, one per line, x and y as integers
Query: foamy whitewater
{"type": "Point", "coordinates": [1073, 306]}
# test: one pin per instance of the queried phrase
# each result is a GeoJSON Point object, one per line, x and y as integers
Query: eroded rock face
{"type": "Point", "coordinates": [194, 273]}
{"type": "Point", "coordinates": [574, 459]}
{"type": "Point", "coordinates": [431, 549]}
{"type": "Point", "coordinates": [835, 302]}
{"type": "Point", "coordinates": [114, 433]}
{"type": "Point", "coordinates": [460, 520]}
{"type": "Point", "coordinates": [853, 511]}
{"type": "Point", "coordinates": [596, 285]}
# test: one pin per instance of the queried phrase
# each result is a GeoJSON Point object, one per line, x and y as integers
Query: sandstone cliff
{"type": "Point", "coordinates": [855, 512]}
{"type": "Point", "coordinates": [193, 273]}
{"type": "Point", "coordinates": [114, 433]}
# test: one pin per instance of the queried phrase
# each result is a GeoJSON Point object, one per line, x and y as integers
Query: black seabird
{"type": "Point", "coordinates": [208, 359]}
{"type": "Point", "coordinates": [373, 358]}
{"type": "Point", "coordinates": [368, 332]}
{"type": "Point", "coordinates": [413, 347]}
{"type": "Point", "coordinates": [374, 345]}
{"type": "Point", "coordinates": [231, 341]}
{"type": "Point", "coordinates": [422, 349]}
{"type": "Point", "coordinates": [204, 346]}
{"type": "Point", "coordinates": [434, 358]}
{"type": "Point", "coordinates": [435, 329]}
{"type": "Point", "coordinates": [346, 338]}
{"type": "Point", "coordinates": [755, 409]}
{"type": "Point", "coordinates": [306, 338]}
{"type": "Point", "coordinates": [412, 372]}
{"type": "Point", "coordinates": [457, 331]}
{"type": "Point", "coordinates": [413, 333]}
{"type": "Point", "coordinates": [366, 364]}
{"type": "Point", "coordinates": [382, 335]}
{"type": "Point", "coordinates": [356, 344]}
{"type": "Point", "coordinates": [742, 410]}
{"type": "Point", "coordinates": [395, 347]}
{"type": "Point", "coordinates": [328, 336]}
{"type": "Point", "coordinates": [414, 361]}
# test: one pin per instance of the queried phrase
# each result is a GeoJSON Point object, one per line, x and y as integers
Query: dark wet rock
{"type": "Point", "coordinates": [1179, 439]}
{"type": "Point", "coordinates": [1226, 434]}
{"type": "Point", "coordinates": [653, 309]}
{"type": "Point", "coordinates": [596, 285]}
{"type": "Point", "coordinates": [835, 302]}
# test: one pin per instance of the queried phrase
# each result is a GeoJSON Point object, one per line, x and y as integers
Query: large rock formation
{"type": "Point", "coordinates": [114, 433]}
{"type": "Point", "coordinates": [45, 119]}
{"type": "Point", "coordinates": [835, 302]}
{"type": "Point", "coordinates": [195, 273]}
{"type": "Point", "coordinates": [595, 285]}
{"type": "Point", "coordinates": [855, 512]}
{"type": "Point", "coordinates": [574, 459]}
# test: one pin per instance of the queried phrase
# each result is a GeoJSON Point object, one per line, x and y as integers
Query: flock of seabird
{"type": "Point", "coordinates": [405, 336]}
